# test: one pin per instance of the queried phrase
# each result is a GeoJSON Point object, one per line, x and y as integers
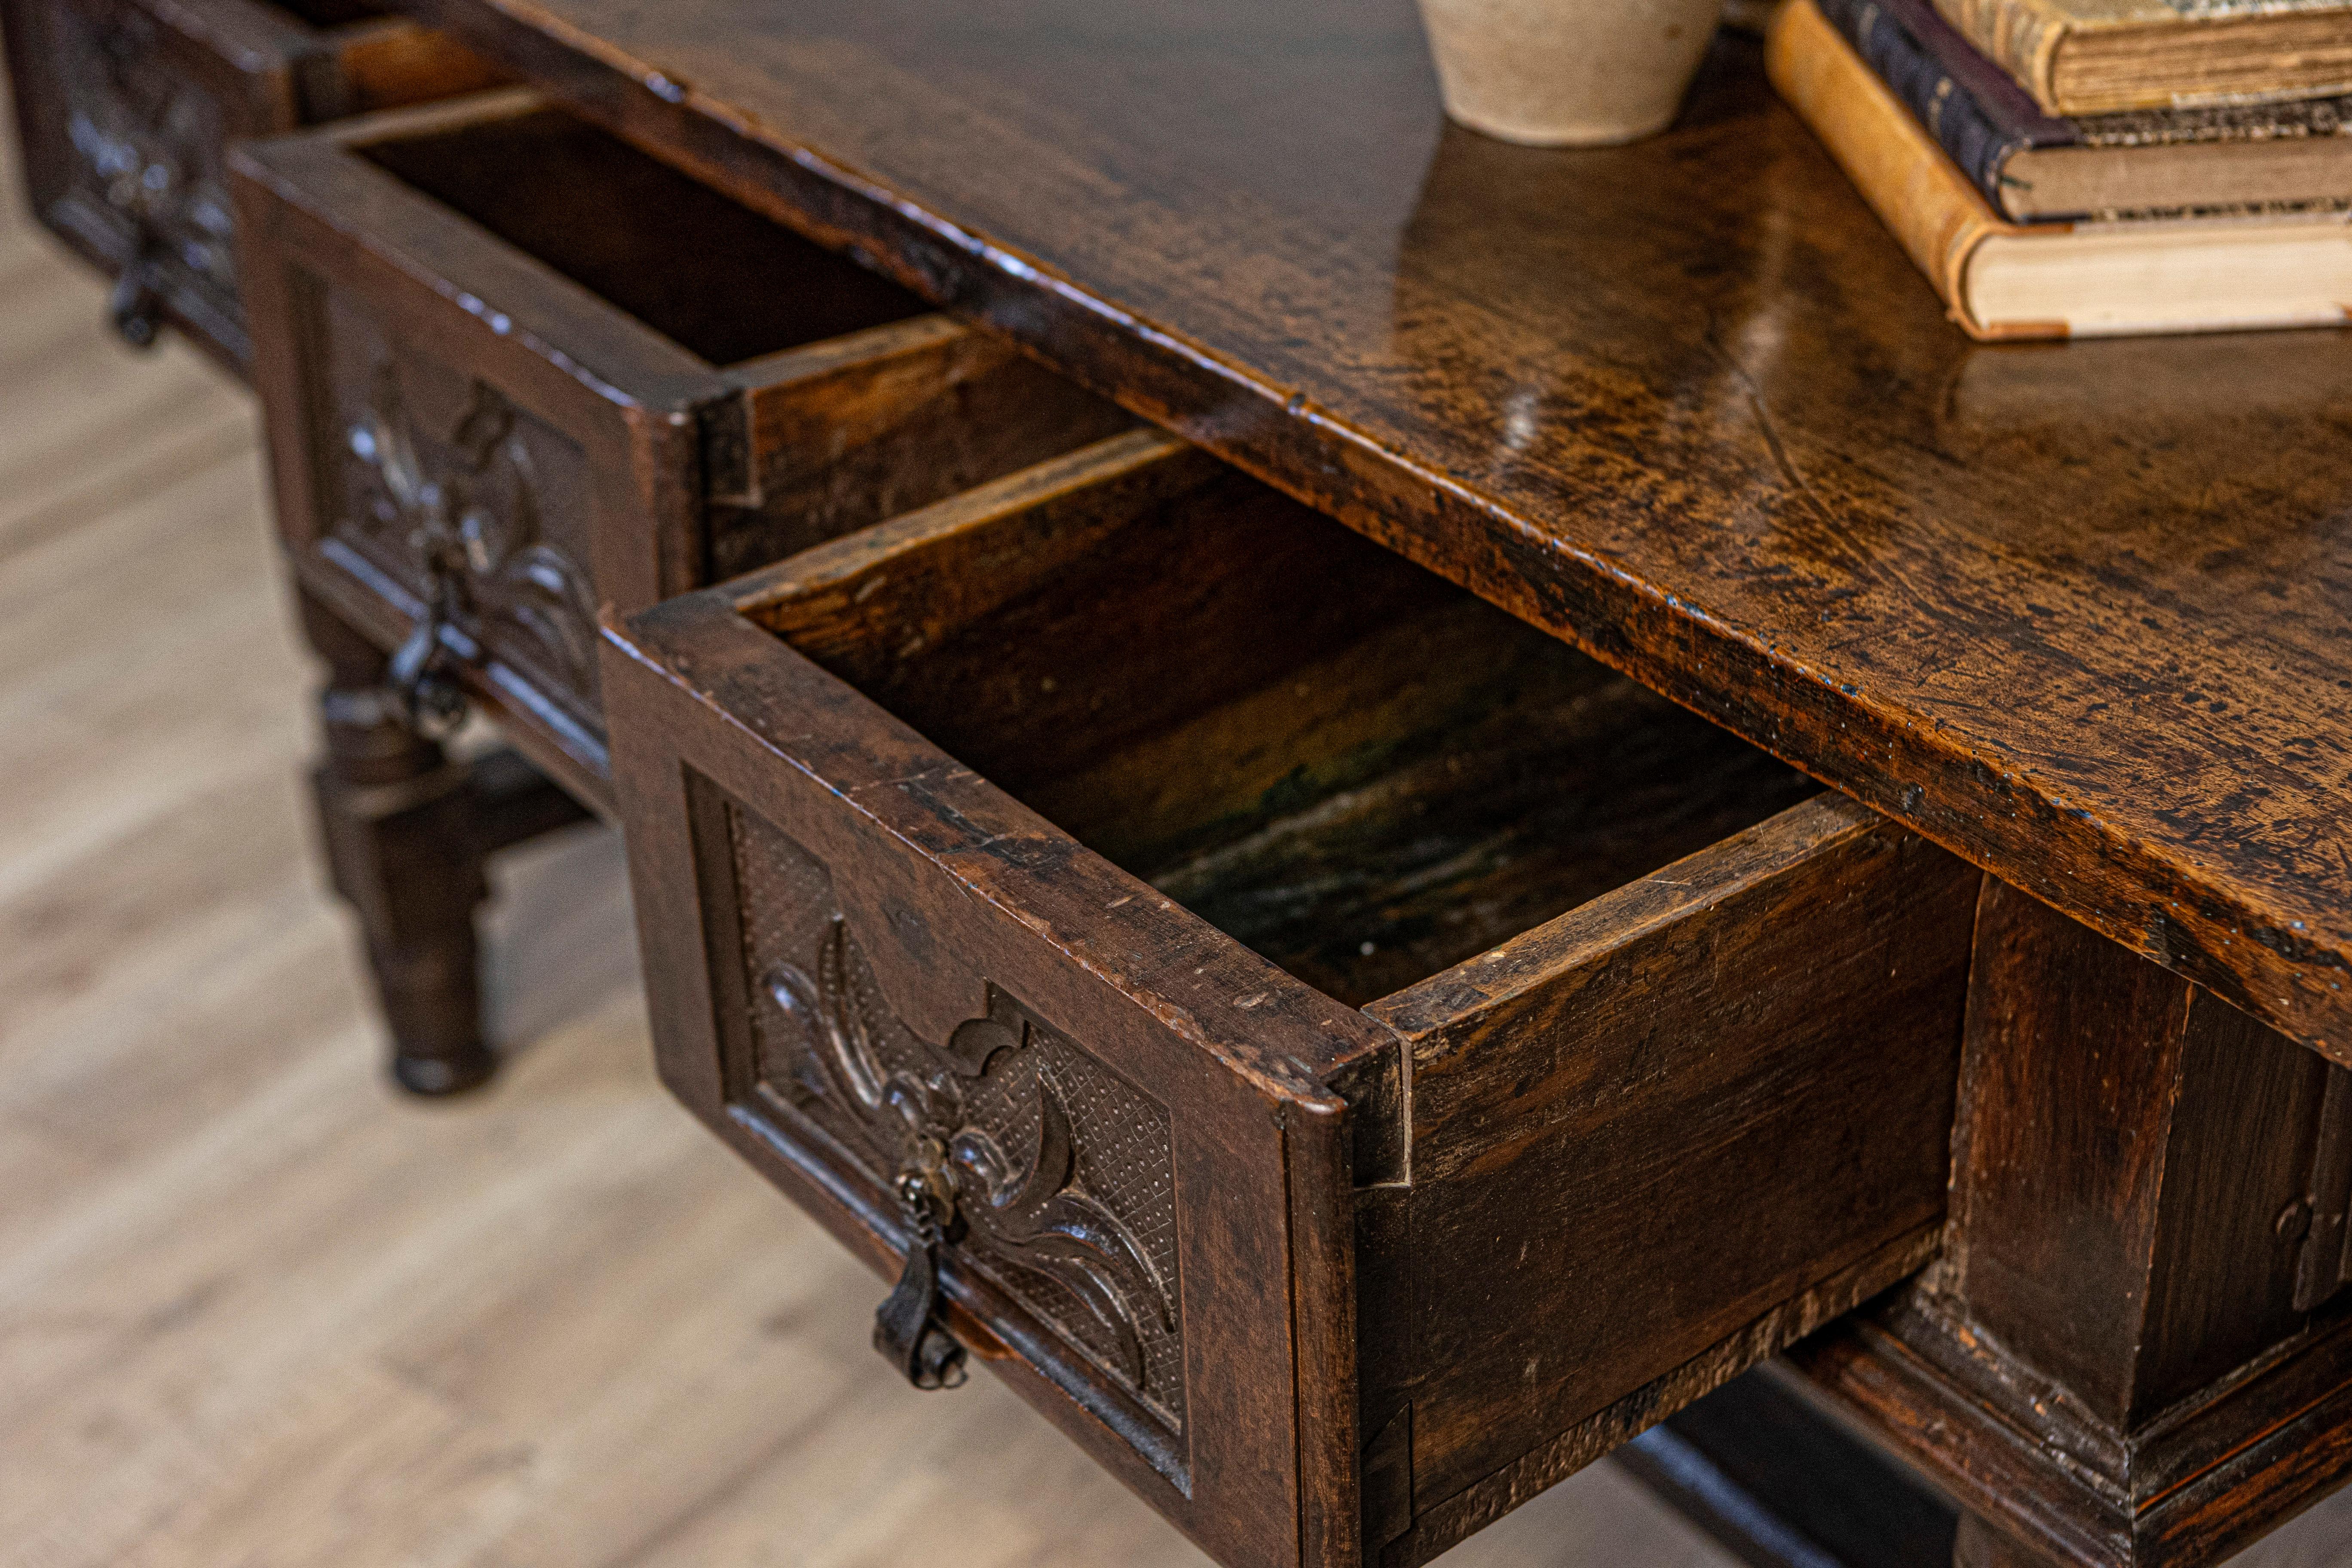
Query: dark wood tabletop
{"type": "Point", "coordinates": [2077, 612]}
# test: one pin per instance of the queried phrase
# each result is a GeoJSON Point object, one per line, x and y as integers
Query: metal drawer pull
{"type": "Point", "coordinates": [907, 1329]}
{"type": "Point", "coordinates": [469, 521]}
{"type": "Point", "coordinates": [136, 305]}
{"type": "Point", "coordinates": [429, 701]}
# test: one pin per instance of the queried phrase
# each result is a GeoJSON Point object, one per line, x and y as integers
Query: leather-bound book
{"type": "Point", "coordinates": [2032, 165]}
{"type": "Point", "coordinates": [2052, 279]}
{"type": "Point", "coordinates": [2097, 56]}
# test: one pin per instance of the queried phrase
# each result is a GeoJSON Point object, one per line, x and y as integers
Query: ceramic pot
{"type": "Point", "coordinates": [1567, 73]}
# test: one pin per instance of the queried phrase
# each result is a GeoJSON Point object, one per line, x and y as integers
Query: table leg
{"type": "Point", "coordinates": [404, 849]}
{"type": "Point", "coordinates": [2143, 1269]}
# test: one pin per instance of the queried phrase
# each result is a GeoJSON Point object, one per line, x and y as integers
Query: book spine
{"type": "Point", "coordinates": [2021, 37]}
{"type": "Point", "coordinates": [1923, 200]}
{"type": "Point", "coordinates": [1946, 108]}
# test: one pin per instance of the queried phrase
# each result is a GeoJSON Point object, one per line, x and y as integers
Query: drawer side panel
{"type": "Point", "coordinates": [1647, 1135]}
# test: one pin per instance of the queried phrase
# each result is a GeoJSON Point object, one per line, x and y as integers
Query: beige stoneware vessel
{"type": "Point", "coordinates": [1567, 73]}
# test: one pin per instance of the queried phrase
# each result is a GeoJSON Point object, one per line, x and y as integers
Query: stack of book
{"type": "Point", "coordinates": [2067, 168]}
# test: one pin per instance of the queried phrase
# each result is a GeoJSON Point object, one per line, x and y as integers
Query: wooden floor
{"type": "Point", "coordinates": [256, 1311]}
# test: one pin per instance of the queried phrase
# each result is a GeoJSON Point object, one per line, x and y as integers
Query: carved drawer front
{"type": "Point", "coordinates": [518, 372]}
{"type": "Point", "coordinates": [125, 109]}
{"type": "Point", "coordinates": [1347, 1056]}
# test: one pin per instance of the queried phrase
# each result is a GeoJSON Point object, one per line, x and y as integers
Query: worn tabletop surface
{"type": "Point", "coordinates": [2077, 612]}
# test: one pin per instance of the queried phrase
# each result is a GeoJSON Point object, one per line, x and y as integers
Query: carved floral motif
{"type": "Point", "coordinates": [470, 523]}
{"type": "Point", "coordinates": [148, 143]}
{"type": "Point", "coordinates": [914, 1106]}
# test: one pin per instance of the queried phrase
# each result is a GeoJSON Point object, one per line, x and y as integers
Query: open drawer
{"type": "Point", "coordinates": [125, 109]}
{"type": "Point", "coordinates": [1346, 1056]}
{"type": "Point", "coordinates": [517, 370]}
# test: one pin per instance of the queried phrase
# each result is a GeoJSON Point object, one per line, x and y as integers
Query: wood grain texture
{"type": "Point", "coordinates": [1111, 734]}
{"type": "Point", "coordinates": [870, 425]}
{"type": "Point", "coordinates": [1769, 1028]}
{"type": "Point", "coordinates": [956, 892]}
{"type": "Point", "coordinates": [2237, 1465]}
{"type": "Point", "coordinates": [1325, 752]}
{"type": "Point", "coordinates": [608, 412]}
{"type": "Point", "coordinates": [2128, 1148]}
{"type": "Point", "coordinates": [2074, 614]}
{"type": "Point", "coordinates": [2110, 1363]}
{"type": "Point", "coordinates": [253, 1310]}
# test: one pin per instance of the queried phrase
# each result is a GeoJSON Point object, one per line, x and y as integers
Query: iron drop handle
{"type": "Point", "coordinates": [909, 1326]}
{"type": "Point", "coordinates": [428, 700]}
{"type": "Point", "coordinates": [136, 306]}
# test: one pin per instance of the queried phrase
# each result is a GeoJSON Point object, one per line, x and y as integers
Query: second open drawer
{"type": "Point", "coordinates": [518, 371]}
{"type": "Point", "coordinates": [1347, 1056]}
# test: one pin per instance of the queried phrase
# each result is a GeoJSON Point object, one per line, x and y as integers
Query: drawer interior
{"type": "Point", "coordinates": [1344, 762]}
{"type": "Point", "coordinates": [720, 280]}
{"type": "Point", "coordinates": [1621, 974]}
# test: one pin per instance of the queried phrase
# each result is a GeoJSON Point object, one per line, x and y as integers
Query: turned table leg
{"type": "Point", "coordinates": [404, 846]}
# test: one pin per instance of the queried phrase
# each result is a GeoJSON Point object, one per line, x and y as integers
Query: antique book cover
{"type": "Point", "coordinates": [2053, 280]}
{"type": "Point", "coordinates": [2035, 166]}
{"type": "Point", "coordinates": [2098, 57]}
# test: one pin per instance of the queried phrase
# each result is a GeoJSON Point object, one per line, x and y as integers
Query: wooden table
{"type": "Point", "coordinates": [2073, 612]}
